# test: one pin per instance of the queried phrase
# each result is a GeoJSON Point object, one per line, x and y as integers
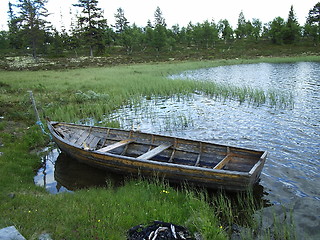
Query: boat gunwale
{"type": "Point", "coordinates": [160, 135]}
{"type": "Point", "coordinates": [168, 164]}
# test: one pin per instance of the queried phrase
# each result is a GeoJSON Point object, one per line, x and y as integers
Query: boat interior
{"type": "Point", "coordinates": [159, 148]}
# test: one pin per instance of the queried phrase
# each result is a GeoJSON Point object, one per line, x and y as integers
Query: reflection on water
{"type": "Point", "coordinates": [291, 136]}
{"type": "Point", "coordinates": [60, 173]}
{"type": "Point", "coordinates": [45, 175]}
{"type": "Point", "coordinates": [74, 175]}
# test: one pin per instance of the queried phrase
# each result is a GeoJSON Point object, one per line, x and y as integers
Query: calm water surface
{"type": "Point", "coordinates": [291, 175]}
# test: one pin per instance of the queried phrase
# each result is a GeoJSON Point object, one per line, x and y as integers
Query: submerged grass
{"type": "Point", "coordinates": [93, 92]}
{"type": "Point", "coordinates": [105, 213]}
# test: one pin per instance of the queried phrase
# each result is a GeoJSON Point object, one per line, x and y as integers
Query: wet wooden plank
{"type": "Point", "coordinates": [93, 144]}
{"type": "Point", "coordinates": [223, 162]}
{"type": "Point", "coordinates": [73, 139]}
{"type": "Point", "coordinates": [88, 140]}
{"type": "Point", "coordinates": [154, 151]}
{"type": "Point", "coordinates": [82, 138]}
{"type": "Point", "coordinates": [259, 163]}
{"type": "Point", "coordinates": [115, 145]}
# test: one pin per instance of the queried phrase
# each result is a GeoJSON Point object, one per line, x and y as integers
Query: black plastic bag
{"type": "Point", "coordinates": [159, 230]}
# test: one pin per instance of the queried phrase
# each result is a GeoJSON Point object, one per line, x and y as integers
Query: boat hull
{"type": "Point", "coordinates": [201, 176]}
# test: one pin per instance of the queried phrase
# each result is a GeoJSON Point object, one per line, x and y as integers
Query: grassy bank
{"type": "Point", "coordinates": [70, 95]}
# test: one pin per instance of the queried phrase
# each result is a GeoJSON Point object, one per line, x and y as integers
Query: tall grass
{"type": "Point", "coordinates": [95, 92]}
{"type": "Point", "coordinates": [73, 95]}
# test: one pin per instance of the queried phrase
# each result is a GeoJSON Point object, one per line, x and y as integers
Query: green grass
{"type": "Point", "coordinates": [107, 213]}
{"type": "Point", "coordinates": [95, 92]}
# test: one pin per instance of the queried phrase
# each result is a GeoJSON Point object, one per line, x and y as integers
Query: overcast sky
{"type": "Point", "coordinates": [179, 11]}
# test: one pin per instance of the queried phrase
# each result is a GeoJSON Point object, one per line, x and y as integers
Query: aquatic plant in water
{"type": "Point", "coordinates": [89, 96]}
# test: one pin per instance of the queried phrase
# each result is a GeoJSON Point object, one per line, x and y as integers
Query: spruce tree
{"type": "Point", "coordinates": [293, 31]}
{"type": "Point", "coordinates": [121, 21]}
{"type": "Point", "coordinates": [256, 28]}
{"type": "Point", "coordinates": [14, 33]}
{"type": "Point", "coordinates": [241, 29]}
{"type": "Point", "coordinates": [225, 30]}
{"type": "Point", "coordinates": [122, 29]}
{"type": "Point", "coordinates": [158, 18]}
{"type": "Point", "coordinates": [277, 30]}
{"type": "Point", "coordinates": [314, 15]}
{"type": "Point", "coordinates": [313, 23]}
{"type": "Point", "coordinates": [160, 38]}
{"type": "Point", "coordinates": [34, 27]}
{"type": "Point", "coordinates": [92, 25]}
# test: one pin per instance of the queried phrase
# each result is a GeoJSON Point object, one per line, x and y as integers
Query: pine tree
{"type": "Point", "coordinates": [313, 23]}
{"type": "Point", "coordinates": [225, 30]}
{"type": "Point", "coordinates": [160, 38]}
{"type": "Point", "coordinates": [158, 18]}
{"type": "Point", "coordinates": [4, 40]}
{"type": "Point", "coordinates": [92, 25]}
{"type": "Point", "coordinates": [34, 27]}
{"type": "Point", "coordinates": [277, 30]}
{"type": "Point", "coordinates": [148, 32]}
{"type": "Point", "coordinates": [121, 21]}
{"type": "Point", "coordinates": [204, 34]}
{"type": "Point", "coordinates": [14, 34]}
{"type": "Point", "coordinates": [241, 29]}
{"type": "Point", "coordinates": [293, 31]}
{"type": "Point", "coordinates": [132, 38]}
{"type": "Point", "coordinates": [256, 28]}
{"type": "Point", "coordinates": [123, 30]}
{"type": "Point", "coordinates": [314, 15]}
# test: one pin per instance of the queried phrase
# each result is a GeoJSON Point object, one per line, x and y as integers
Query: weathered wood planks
{"type": "Point", "coordinates": [154, 151]}
{"type": "Point", "coordinates": [115, 145]}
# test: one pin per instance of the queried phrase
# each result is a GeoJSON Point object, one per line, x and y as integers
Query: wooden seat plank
{"type": "Point", "coordinates": [154, 152]}
{"type": "Point", "coordinates": [115, 145]}
{"type": "Point", "coordinates": [223, 162]}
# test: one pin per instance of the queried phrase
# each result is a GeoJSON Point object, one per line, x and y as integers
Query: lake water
{"type": "Point", "coordinates": [291, 176]}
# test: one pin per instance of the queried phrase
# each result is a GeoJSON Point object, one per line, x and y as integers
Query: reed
{"type": "Point", "coordinates": [81, 94]}
{"type": "Point", "coordinates": [93, 92]}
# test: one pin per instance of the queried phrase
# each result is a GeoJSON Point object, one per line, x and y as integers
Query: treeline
{"type": "Point", "coordinates": [30, 32]}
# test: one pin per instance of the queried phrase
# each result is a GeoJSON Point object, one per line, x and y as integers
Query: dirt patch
{"type": "Point", "coordinates": [16, 128]}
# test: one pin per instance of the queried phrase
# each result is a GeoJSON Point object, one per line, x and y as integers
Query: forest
{"type": "Point", "coordinates": [29, 33]}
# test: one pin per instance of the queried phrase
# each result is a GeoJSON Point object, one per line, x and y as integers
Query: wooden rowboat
{"type": "Point", "coordinates": [176, 159]}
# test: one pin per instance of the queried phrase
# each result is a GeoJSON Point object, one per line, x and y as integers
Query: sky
{"type": "Point", "coordinates": [178, 11]}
